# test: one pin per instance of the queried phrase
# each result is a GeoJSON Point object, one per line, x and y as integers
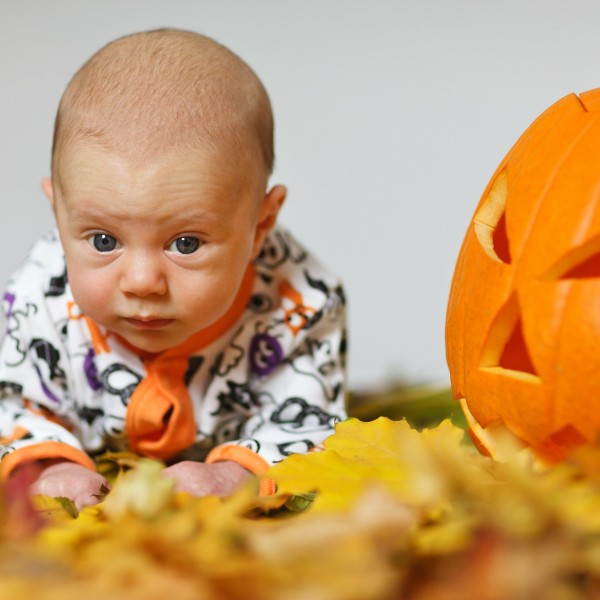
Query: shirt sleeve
{"type": "Point", "coordinates": [31, 432]}
{"type": "Point", "coordinates": [34, 393]}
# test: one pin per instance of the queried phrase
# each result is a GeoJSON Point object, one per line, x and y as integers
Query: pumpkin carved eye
{"type": "Point", "coordinates": [490, 221]}
{"type": "Point", "coordinates": [581, 263]}
{"type": "Point", "coordinates": [505, 347]}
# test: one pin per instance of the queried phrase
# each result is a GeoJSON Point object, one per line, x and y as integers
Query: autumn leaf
{"type": "Point", "coordinates": [142, 491]}
{"type": "Point", "coordinates": [54, 510]}
{"type": "Point", "coordinates": [113, 464]}
{"type": "Point", "coordinates": [384, 454]}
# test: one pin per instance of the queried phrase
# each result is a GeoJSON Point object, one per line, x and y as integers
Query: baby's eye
{"type": "Point", "coordinates": [186, 244]}
{"type": "Point", "coordinates": [103, 242]}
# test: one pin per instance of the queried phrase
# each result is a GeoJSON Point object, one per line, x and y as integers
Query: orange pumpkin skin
{"type": "Point", "coordinates": [523, 320]}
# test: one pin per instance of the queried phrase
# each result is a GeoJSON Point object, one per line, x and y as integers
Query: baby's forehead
{"type": "Point", "coordinates": [90, 170]}
{"type": "Point", "coordinates": [100, 189]}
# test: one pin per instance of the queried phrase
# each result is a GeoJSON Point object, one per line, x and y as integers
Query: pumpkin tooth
{"type": "Point", "coordinates": [496, 440]}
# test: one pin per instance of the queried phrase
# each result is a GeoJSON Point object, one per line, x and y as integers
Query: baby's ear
{"type": "Point", "coordinates": [47, 189]}
{"type": "Point", "coordinates": [267, 215]}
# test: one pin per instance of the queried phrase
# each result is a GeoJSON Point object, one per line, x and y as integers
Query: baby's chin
{"type": "Point", "coordinates": [150, 339]}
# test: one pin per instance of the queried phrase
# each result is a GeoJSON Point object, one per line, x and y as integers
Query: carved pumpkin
{"type": "Point", "coordinates": [523, 321]}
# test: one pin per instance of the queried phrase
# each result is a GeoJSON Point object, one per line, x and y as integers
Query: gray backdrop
{"type": "Point", "coordinates": [391, 117]}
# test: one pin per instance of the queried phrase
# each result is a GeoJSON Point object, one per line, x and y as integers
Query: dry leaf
{"type": "Point", "coordinates": [381, 453]}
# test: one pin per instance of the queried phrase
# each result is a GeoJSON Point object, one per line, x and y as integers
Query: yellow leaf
{"type": "Point", "coordinates": [143, 491]}
{"type": "Point", "coordinates": [54, 510]}
{"type": "Point", "coordinates": [382, 453]}
{"type": "Point", "coordinates": [113, 464]}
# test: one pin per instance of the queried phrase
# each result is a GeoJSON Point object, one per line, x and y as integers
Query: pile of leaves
{"type": "Point", "coordinates": [384, 511]}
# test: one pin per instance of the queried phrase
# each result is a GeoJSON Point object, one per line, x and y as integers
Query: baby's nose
{"type": "Point", "coordinates": [143, 275]}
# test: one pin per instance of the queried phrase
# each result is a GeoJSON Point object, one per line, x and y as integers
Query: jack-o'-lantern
{"type": "Point", "coordinates": [523, 321]}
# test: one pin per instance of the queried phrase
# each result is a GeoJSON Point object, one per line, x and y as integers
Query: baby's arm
{"type": "Point", "coordinates": [203, 479]}
{"type": "Point", "coordinates": [28, 439]}
{"type": "Point", "coordinates": [35, 396]}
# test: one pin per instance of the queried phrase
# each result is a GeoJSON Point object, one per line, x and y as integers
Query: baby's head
{"type": "Point", "coordinates": [153, 93]}
{"type": "Point", "coordinates": [162, 150]}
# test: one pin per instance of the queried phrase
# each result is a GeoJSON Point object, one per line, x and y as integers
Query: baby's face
{"type": "Point", "coordinates": [155, 252]}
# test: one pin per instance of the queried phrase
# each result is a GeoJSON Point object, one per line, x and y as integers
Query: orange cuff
{"type": "Point", "coordinates": [247, 459]}
{"type": "Point", "coordinates": [44, 451]}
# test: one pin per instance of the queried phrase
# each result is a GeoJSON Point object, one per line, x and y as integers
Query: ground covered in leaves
{"type": "Point", "coordinates": [385, 511]}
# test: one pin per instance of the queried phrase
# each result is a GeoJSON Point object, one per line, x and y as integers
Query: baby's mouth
{"type": "Point", "coordinates": [148, 322]}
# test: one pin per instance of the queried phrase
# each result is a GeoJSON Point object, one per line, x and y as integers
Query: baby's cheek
{"type": "Point", "coordinates": [94, 294]}
{"type": "Point", "coordinates": [202, 299]}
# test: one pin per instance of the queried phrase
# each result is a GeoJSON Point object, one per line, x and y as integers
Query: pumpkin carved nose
{"type": "Point", "coordinates": [505, 347]}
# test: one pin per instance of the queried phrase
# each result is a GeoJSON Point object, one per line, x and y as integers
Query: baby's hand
{"type": "Point", "coordinates": [201, 479]}
{"type": "Point", "coordinates": [70, 480]}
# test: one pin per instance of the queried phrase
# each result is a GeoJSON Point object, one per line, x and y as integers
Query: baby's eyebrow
{"type": "Point", "coordinates": [184, 219]}
{"type": "Point", "coordinates": [175, 218]}
{"type": "Point", "coordinates": [77, 213]}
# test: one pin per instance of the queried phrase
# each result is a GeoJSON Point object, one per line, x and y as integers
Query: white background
{"type": "Point", "coordinates": [391, 117]}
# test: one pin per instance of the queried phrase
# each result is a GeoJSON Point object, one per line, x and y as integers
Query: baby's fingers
{"type": "Point", "coordinates": [87, 498]}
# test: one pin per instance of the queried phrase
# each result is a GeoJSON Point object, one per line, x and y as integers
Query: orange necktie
{"type": "Point", "coordinates": [160, 419]}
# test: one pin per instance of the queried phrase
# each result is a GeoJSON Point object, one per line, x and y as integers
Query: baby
{"type": "Point", "coordinates": [167, 315]}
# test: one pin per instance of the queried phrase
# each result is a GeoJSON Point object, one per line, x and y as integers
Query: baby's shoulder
{"type": "Point", "coordinates": [43, 269]}
{"type": "Point", "coordinates": [286, 266]}
{"type": "Point", "coordinates": [282, 255]}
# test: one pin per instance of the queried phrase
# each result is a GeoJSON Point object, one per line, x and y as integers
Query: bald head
{"type": "Point", "coordinates": [154, 93]}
